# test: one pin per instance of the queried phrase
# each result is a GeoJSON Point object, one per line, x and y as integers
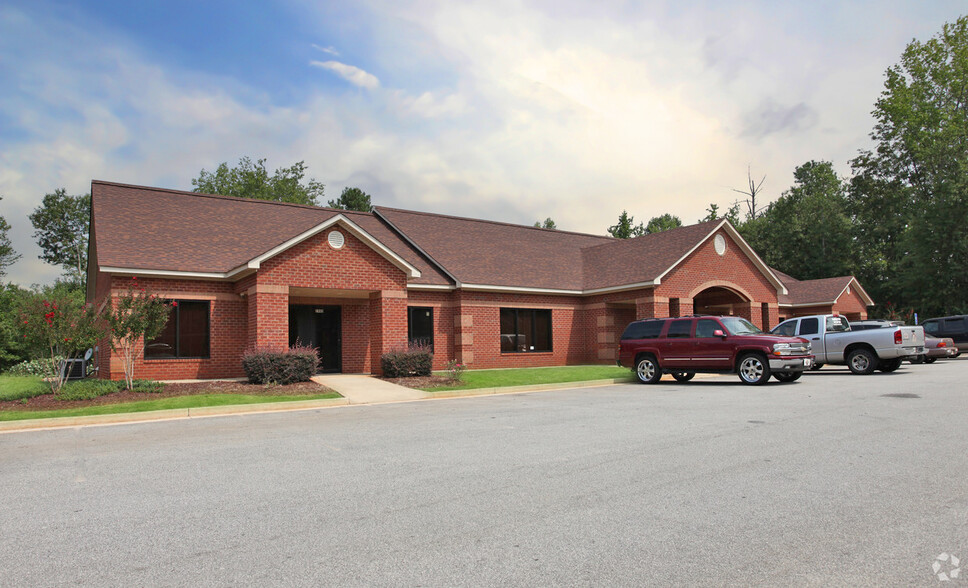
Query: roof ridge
{"type": "Point", "coordinates": [221, 196]}
{"type": "Point", "coordinates": [615, 240]}
{"type": "Point", "coordinates": [492, 222]}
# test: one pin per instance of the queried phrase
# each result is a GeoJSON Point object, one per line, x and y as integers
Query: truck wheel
{"type": "Point", "coordinates": [930, 359]}
{"type": "Point", "coordinates": [787, 376]}
{"type": "Point", "coordinates": [889, 365]}
{"type": "Point", "coordinates": [861, 362]}
{"type": "Point", "coordinates": [753, 369]}
{"type": "Point", "coordinates": [647, 370]}
{"type": "Point", "coordinates": [683, 376]}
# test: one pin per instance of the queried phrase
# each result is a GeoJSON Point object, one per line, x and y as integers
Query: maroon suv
{"type": "Point", "coordinates": [715, 344]}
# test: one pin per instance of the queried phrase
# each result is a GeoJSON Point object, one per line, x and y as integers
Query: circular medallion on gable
{"type": "Point", "coordinates": [719, 242]}
{"type": "Point", "coordinates": [336, 239]}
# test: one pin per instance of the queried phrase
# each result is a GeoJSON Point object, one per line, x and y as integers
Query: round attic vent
{"type": "Point", "coordinates": [720, 244]}
{"type": "Point", "coordinates": [336, 239]}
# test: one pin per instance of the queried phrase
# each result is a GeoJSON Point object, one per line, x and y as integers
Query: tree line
{"type": "Point", "coordinates": [899, 223]}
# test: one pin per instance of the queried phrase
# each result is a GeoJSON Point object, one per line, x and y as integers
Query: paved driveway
{"type": "Point", "coordinates": [833, 480]}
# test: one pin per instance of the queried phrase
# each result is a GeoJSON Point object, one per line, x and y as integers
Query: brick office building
{"type": "Point", "coordinates": [250, 273]}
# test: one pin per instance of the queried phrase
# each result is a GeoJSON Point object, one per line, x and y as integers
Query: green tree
{"type": "Point", "coordinates": [916, 179]}
{"type": "Point", "coordinates": [547, 224]}
{"type": "Point", "coordinates": [61, 229]}
{"type": "Point", "coordinates": [134, 317]}
{"type": "Point", "coordinates": [352, 199]}
{"type": "Point", "coordinates": [732, 214]}
{"type": "Point", "coordinates": [12, 347]}
{"type": "Point", "coordinates": [58, 324]}
{"type": "Point", "coordinates": [806, 231]}
{"type": "Point", "coordinates": [252, 180]}
{"type": "Point", "coordinates": [657, 224]}
{"type": "Point", "coordinates": [7, 255]}
{"type": "Point", "coordinates": [626, 227]}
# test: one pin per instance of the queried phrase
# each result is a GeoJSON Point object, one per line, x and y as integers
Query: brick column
{"type": "Point", "coordinates": [268, 310]}
{"type": "Point", "coordinates": [606, 337]}
{"type": "Point", "coordinates": [680, 306]}
{"type": "Point", "coordinates": [771, 315]}
{"type": "Point", "coordinates": [652, 307]}
{"type": "Point", "coordinates": [388, 324]}
{"type": "Point", "coordinates": [463, 334]}
{"type": "Point", "coordinates": [751, 311]}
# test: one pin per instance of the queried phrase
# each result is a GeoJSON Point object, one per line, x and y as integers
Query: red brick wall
{"type": "Point", "coordinates": [227, 320]}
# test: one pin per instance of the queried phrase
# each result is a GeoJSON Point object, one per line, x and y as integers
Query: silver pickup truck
{"type": "Point", "coordinates": [833, 342]}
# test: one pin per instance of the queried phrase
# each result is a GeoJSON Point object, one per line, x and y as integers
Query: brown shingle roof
{"type": "Point", "coordinates": [642, 259]}
{"type": "Point", "coordinates": [154, 229]}
{"type": "Point", "coordinates": [499, 254]}
{"type": "Point", "coordinates": [823, 291]}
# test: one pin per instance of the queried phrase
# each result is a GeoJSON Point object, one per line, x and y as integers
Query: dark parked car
{"type": "Point", "coordinates": [954, 327]}
{"type": "Point", "coordinates": [717, 344]}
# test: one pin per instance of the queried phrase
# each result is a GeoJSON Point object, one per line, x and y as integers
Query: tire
{"type": "Point", "coordinates": [647, 370]}
{"type": "Point", "coordinates": [919, 359]}
{"type": "Point", "coordinates": [816, 367]}
{"type": "Point", "coordinates": [889, 365]}
{"type": "Point", "coordinates": [861, 362]}
{"type": "Point", "coordinates": [787, 376]}
{"type": "Point", "coordinates": [956, 354]}
{"type": "Point", "coordinates": [683, 376]}
{"type": "Point", "coordinates": [930, 359]}
{"type": "Point", "coordinates": [753, 369]}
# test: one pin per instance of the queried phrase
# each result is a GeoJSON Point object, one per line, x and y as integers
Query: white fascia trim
{"type": "Point", "coordinates": [353, 228]}
{"type": "Point", "coordinates": [638, 286]}
{"type": "Point", "coordinates": [430, 287]}
{"type": "Point", "coordinates": [169, 273]}
{"type": "Point", "coordinates": [765, 269]}
{"type": "Point", "coordinates": [518, 289]}
{"type": "Point", "coordinates": [806, 304]}
{"type": "Point", "coordinates": [527, 290]}
{"type": "Point", "coordinates": [868, 301]}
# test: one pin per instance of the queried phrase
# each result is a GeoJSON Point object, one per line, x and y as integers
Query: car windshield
{"type": "Point", "coordinates": [740, 326]}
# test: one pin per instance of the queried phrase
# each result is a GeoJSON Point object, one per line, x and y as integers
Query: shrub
{"type": "Point", "coordinates": [42, 367]}
{"type": "Point", "coordinates": [456, 370]}
{"type": "Point", "coordinates": [264, 366]}
{"type": "Point", "coordinates": [417, 360]}
{"type": "Point", "coordinates": [87, 389]}
{"type": "Point", "coordinates": [147, 386]}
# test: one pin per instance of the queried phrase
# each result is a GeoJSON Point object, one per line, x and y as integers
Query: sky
{"type": "Point", "coordinates": [509, 111]}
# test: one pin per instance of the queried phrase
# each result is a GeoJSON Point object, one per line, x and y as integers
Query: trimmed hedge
{"type": "Point", "coordinates": [401, 363]}
{"type": "Point", "coordinates": [263, 366]}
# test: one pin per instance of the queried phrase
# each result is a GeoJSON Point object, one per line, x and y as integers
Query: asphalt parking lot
{"type": "Point", "coordinates": [832, 480]}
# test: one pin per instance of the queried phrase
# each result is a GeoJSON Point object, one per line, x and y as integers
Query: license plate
{"type": "Point", "coordinates": [807, 362]}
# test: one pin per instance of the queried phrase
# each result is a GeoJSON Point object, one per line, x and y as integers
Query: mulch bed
{"type": "Point", "coordinates": [49, 402]}
{"type": "Point", "coordinates": [422, 381]}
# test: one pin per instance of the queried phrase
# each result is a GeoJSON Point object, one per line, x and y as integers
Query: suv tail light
{"type": "Point", "coordinates": [897, 336]}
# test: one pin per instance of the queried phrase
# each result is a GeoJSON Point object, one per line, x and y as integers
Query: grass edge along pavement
{"type": "Point", "coordinates": [514, 377]}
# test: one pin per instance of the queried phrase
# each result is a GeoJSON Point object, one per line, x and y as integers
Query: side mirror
{"type": "Point", "coordinates": [719, 333]}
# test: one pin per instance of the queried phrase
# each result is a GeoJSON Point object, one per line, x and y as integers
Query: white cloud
{"type": "Point", "coordinates": [330, 50]}
{"type": "Point", "coordinates": [350, 73]}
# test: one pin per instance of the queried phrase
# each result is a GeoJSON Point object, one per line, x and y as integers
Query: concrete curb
{"type": "Point", "coordinates": [528, 388]}
{"type": "Point", "coordinates": [166, 415]}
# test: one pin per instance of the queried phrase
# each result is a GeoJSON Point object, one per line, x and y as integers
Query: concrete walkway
{"type": "Point", "coordinates": [367, 389]}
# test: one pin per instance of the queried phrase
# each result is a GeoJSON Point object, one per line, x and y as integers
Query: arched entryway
{"type": "Point", "coordinates": [719, 300]}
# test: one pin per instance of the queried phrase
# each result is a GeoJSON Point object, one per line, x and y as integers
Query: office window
{"type": "Point", "coordinates": [420, 326]}
{"type": "Point", "coordinates": [525, 330]}
{"type": "Point", "coordinates": [186, 333]}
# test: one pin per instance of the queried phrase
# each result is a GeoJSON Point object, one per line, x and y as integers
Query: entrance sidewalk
{"type": "Point", "coordinates": [367, 389]}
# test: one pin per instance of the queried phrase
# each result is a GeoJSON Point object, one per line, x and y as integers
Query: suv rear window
{"type": "Point", "coordinates": [643, 330]}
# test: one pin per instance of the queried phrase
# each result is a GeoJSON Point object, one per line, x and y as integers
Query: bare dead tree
{"type": "Point", "coordinates": [752, 209]}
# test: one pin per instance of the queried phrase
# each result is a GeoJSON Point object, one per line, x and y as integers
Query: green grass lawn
{"type": "Point", "coordinates": [17, 387]}
{"type": "Point", "coordinates": [194, 401]}
{"type": "Point", "coordinates": [529, 376]}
